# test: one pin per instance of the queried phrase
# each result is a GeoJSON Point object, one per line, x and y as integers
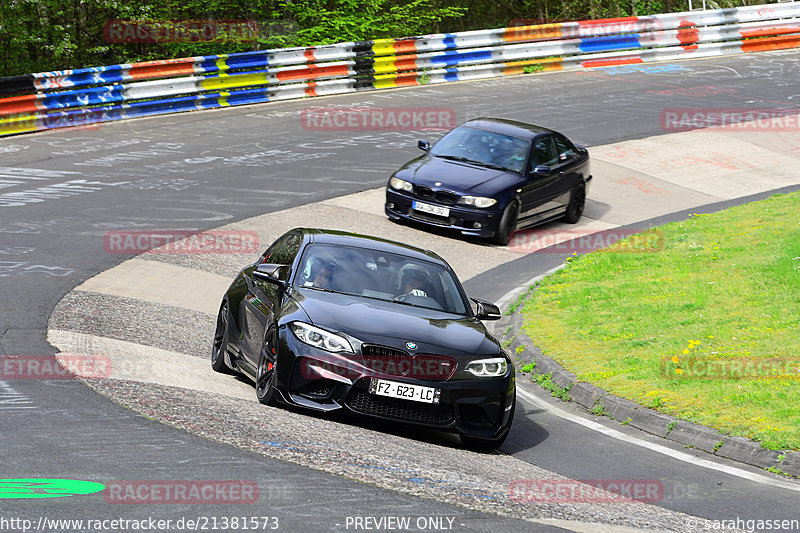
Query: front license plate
{"type": "Point", "coordinates": [406, 391]}
{"type": "Point", "coordinates": [432, 209]}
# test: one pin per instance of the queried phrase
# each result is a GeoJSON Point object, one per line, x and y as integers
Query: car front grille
{"type": "Point", "coordinates": [426, 193]}
{"type": "Point", "coordinates": [373, 354]}
{"type": "Point", "coordinates": [446, 197]}
{"type": "Point", "coordinates": [442, 197]}
{"type": "Point", "coordinates": [394, 362]}
{"type": "Point", "coordinates": [404, 410]}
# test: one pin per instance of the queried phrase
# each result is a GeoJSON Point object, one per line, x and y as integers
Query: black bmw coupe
{"type": "Point", "coordinates": [489, 177]}
{"type": "Point", "coordinates": [328, 320]}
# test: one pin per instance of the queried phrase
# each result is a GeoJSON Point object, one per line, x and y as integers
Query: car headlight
{"type": "Point", "coordinates": [486, 368]}
{"type": "Point", "coordinates": [319, 338]}
{"type": "Point", "coordinates": [477, 201]}
{"type": "Point", "coordinates": [400, 185]}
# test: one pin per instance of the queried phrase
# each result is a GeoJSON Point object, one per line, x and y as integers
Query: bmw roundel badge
{"type": "Point", "coordinates": [411, 345]}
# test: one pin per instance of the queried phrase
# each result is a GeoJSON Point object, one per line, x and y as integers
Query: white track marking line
{"type": "Point", "coordinates": [658, 448]}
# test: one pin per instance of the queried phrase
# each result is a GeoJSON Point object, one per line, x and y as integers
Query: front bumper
{"type": "Point", "coordinates": [463, 219]}
{"type": "Point", "coordinates": [478, 407]}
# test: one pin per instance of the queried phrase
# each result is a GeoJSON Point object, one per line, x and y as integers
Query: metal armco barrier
{"type": "Point", "coordinates": [92, 95]}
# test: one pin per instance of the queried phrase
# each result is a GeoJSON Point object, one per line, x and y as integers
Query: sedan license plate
{"type": "Point", "coordinates": [406, 391]}
{"type": "Point", "coordinates": [432, 209]}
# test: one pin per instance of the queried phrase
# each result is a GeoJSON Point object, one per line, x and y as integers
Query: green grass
{"type": "Point", "coordinates": [718, 286]}
{"type": "Point", "coordinates": [546, 382]}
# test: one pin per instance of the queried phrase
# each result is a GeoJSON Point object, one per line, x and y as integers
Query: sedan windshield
{"type": "Point", "coordinates": [481, 147]}
{"type": "Point", "coordinates": [380, 275]}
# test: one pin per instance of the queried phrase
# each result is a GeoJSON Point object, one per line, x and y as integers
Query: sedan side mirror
{"type": "Point", "coordinates": [486, 310]}
{"type": "Point", "coordinates": [424, 145]}
{"type": "Point", "coordinates": [541, 170]}
{"type": "Point", "coordinates": [271, 272]}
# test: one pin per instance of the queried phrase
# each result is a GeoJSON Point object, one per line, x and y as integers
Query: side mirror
{"type": "Point", "coordinates": [486, 310]}
{"type": "Point", "coordinates": [271, 272]}
{"type": "Point", "coordinates": [541, 170]}
{"type": "Point", "coordinates": [424, 145]}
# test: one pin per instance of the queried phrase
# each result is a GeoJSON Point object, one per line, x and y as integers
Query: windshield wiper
{"type": "Point", "coordinates": [323, 289]}
{"type": "Point", "coordinates": [473, 161]}
{"type": "Point", "coordinates": [409, 303]}
{"type": "Point", "coordinates": [453, 157]}
{"type": "Point", "coordinates": [496, 167]}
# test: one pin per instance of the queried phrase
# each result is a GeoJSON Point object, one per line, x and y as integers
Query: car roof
{"type": "Point", "coordinates": [346, 238]}
{"type": "Point", "coordinates": [506, 126]}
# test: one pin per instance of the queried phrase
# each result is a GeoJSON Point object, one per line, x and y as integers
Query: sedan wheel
{"type": "Point", "coordinates": [507, 223]}
{"type": "Point", "coordinates": [265, 376]}
{"type": "Point", "coordinates": [220, 345]}
{"type": "Point", "coordinates": [577, 201]}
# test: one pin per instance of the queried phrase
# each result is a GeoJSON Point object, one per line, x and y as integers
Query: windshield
{"type": "Point", "coordinates": [487, 148]}
{"type": "Point", "coordinates": [380, 275]}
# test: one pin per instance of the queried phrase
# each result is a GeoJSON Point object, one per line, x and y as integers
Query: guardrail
{"type": "Point", "coordinates": [92, 95]}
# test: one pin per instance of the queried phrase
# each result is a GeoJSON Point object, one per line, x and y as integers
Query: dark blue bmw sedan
{"type": "Point", "coordinates": [489, 177]}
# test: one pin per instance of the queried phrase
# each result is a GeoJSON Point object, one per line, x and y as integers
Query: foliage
{"type": "Point", "coordinates": [546, 382]}
{"type": "Point", "coordinates": [599, 409]}
{"type": "Point", "coordinates": [351, 20]}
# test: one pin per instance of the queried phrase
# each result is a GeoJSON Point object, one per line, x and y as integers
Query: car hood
{"type": "Point", "coordinates": [392, 324]}
{"type": "Point", "coordinates": [457, 176]}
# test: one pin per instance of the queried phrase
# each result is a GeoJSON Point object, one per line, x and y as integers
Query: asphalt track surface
{"type": "Point", "coordinates": [202, 170]}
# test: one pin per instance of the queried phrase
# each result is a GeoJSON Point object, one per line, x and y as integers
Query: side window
{"type": "Point", "coordinates": [566, 150]}
{"type": "Point", "coordinates": [544, 152]}
{"type": "Point", "coordinates": [283, 252]}
{"type": "Point", "coordinates": [287, 251]}
{"type": "Point", "coordinates": [267, 257]}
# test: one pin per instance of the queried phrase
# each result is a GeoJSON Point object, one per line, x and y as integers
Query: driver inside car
{"type": "Point", "coordinates": [321, 276]}
{"type": "Point", "coordinates": [413, 283]}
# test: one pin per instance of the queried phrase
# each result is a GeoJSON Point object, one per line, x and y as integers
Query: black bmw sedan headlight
{"type": "Point", "coordinates": [487, 368]}
{"type": "Point", "coordinates": [320, 338]}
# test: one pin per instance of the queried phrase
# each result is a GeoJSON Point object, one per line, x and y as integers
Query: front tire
{"type": "Point", "coordinates": [577, 201]}
{"type": "Point", "coordinates": [266, 380]}
{"type": "Point", "coordinates": [507, 223]}
{"type": "Point", "coordinates": [220, 346]}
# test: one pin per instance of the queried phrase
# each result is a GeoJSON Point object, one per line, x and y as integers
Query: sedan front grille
{"type": "Point", "coordinates": [442, 197]}
{"type": "Point", "coordinates": [393, 362]}
{"type": "Point", "coordinates": [426, 193]}
{"type": "Point", "coordinates": [404, 410]}
{"type": "Point", "coordinates": [446, 197]}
